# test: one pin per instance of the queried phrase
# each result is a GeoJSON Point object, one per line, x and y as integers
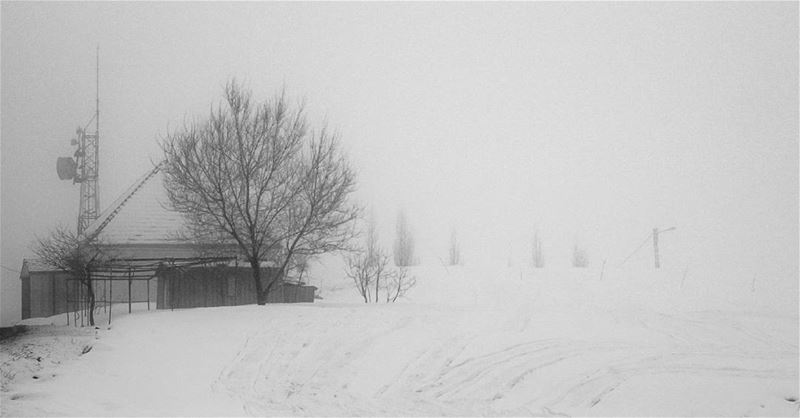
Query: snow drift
{"type": "Point", "coordinates": [466, 341]}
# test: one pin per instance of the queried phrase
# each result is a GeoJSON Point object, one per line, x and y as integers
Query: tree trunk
{"type": "Point", "coordinates": [273, 279]}
{"type": "Point", "coordinates": [377, 286]}
{"type": "Point", "coordinates": [90, 295]}
{"type": "Point", "coordinates": [261, 297]}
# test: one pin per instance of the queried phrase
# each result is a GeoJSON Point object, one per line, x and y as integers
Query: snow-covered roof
{"type": "Point", "coordinates": [35, 265]}
{"type": "Point", "coordinates": [140, 215]}
{"type": "Point", "coordinates": [31, 265]}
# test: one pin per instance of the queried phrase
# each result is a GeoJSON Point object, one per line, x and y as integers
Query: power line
{"type": "Point", "coordinates": [637, 248]}
{"type": "Point", "coordinates": [10, 269]}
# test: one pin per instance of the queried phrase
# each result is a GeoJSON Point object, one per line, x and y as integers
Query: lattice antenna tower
{"type": "Point", "coordinates": [83, 166]}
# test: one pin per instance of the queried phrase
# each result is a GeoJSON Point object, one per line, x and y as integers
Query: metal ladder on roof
{"type": "Point", "coordinates": [119, 207]}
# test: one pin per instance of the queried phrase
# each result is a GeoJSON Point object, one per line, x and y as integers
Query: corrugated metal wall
{"type": "Point", "coordinates": [222, 286]}
{"type": "Point", "coordinates": [45, 293]}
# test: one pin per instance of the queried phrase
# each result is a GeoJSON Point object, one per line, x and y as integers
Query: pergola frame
{"type": "Point", "coordinates": [130, 270]}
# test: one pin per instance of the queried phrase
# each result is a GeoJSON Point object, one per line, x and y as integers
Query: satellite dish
{"type": "Point", "coordinates": [66, 168]}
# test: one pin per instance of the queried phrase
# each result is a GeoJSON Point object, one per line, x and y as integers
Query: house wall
{"type": "Point", "coordinates": [221, 286]}
{"type": "Point", "coordinates": [26, 297]}
{"type": "Point", "coordinates": [119, 290]}
{"type": "Point", "coordinates": [44, 294]}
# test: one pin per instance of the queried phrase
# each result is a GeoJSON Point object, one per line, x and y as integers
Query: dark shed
{"type": "Point", "coordinates": [223, 286]}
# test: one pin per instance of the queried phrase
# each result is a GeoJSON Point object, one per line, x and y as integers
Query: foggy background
{"type": "Point", "coordinates": [592, 122]}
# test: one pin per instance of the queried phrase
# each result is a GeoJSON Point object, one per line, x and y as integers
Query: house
{"type": "Point", "coordinates": [149, 260]}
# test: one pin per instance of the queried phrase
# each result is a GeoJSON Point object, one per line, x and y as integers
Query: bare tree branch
{"type": "Point", "coordinates": [71, 254]}
{"type": "Point", "coordinates": [369, 269]}
{"type": "Point", "coordinates": [254, 174]}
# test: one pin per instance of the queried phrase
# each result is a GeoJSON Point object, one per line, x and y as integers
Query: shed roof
{"type": "Point", "coordinates": [33, 265]}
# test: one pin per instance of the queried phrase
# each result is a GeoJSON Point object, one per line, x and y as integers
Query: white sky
{"type": "Point", "coordinates": [592, 122]}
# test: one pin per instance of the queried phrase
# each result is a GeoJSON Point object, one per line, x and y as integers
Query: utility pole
{"type": "Point", "coordinates": [655, 244]}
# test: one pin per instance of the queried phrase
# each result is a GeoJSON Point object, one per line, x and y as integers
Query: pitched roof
{"type": "Point", "coordinates": [30, 265]}
{"type": "Point", "coordinates": [141, 215]}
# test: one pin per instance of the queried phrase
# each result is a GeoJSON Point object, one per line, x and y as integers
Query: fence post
{"type": "Point", "coordinates": [66, 301]}
{"type": "Point", "coordinates": [130, 281]}
{"type": "Point", "coordinates": [655, 247]}
{"type": "Point", "coordinates": [81, 304]}
{"type": "Point", "coordinates": [110, 296]}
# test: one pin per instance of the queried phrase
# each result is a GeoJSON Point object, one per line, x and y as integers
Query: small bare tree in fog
{"type": "Point", "coordinates": [367, 266]}
{"type": "Point", "coordinates": [403, 242]}
{"type": "Point", "coordinates": [369, 269]}
{"type": "Point", "coordinates": [538, 255]}
{"type": "Point", "coordinates": [69, 253]}
{"type": "Point", "coordinates": [454, 252]}
{"type": "Point", "coordinates": [255, 174]}
{"type": "Point", "coordinates": [359, 268]}
{"type": "Point", "coordinates": [580, 258]}
{"type": "Point", "coordinates": [398, 283]}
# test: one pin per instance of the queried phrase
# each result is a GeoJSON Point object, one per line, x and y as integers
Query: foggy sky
{"type": "Point", "coordinates": [591, 122]}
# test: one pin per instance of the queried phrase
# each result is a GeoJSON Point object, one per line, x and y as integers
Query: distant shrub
{"type": "Point", "coordinates": [454, 252]}
{"type": "Point", "coordinates": [580, 257]}
{"type": "Point", "coordinates": [538, 255]}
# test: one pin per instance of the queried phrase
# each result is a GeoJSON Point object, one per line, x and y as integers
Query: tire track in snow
{"type": "Point", "coordinates": [321, 370]}
{"type": "Point", "coordinates": [274, 373]}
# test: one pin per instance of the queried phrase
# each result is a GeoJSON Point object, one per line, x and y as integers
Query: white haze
{"type": "Point", "coordinates": [592, 122]}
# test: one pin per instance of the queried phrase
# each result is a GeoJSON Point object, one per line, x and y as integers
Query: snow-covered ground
{"type": "Point", "coordinates": [466, 341]}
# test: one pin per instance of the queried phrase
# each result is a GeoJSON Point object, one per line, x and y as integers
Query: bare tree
{"type": "Point", "coordinates": [368, 265]}
{"type": "Point", "coordinates": [369, 269]}
{"type": "Point", "coordinates": [454, 252]}
{"type": "Point", "coordinates": [580, 258]}
{"type": "Point", "coordinates": [377, 258]}
{"type": "Point", "coordinates": [537, 254]}
{"type": "Point", "coordinates": [403, 242]}
{"type": "Point", "coordinates": [254, 174]}
{"type": "Point", "coordinates": [359, 268]}
{"type": "Point", "coordinates": [398, 283]}
{"type": "Point", "coordinates": [71, 254]}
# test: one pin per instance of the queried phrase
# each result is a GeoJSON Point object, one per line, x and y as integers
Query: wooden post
{"type": "Point", "coordinates": [53, 291]}
{"type": "Point", "coordinates": [129, 290]}
{"type": "Point", "coordinates": [603, 269]}
{"type": "Point", "coordinates": [66, 302]}
{"type": "Point", "coordinates": [105, 301]}
{"type": "Point", "coordinates": [81, 304]}
{"type": "Point", "coordinates": [110, 296]}
{"type": "Point", "coordinates": [655, 243]}
{"type": "Point", "coordinates": [655, 247]}
{"type": "Point", "coordinates": [148, 294]}
{"type": "Point", "coordinates": [686, 270]}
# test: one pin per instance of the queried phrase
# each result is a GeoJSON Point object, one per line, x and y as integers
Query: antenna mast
{"type": "Point", "coordinates": [89, 146]}
{"type": "Point", "coordinates": [83, 166]}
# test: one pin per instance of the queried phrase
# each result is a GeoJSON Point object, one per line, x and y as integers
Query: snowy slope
{"type": "Point", "coordinates": [466, 341]}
